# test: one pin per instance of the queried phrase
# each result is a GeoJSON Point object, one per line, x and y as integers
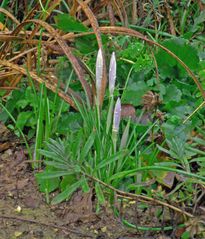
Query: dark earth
{"type": "Point", "coordinates": [24, 212]}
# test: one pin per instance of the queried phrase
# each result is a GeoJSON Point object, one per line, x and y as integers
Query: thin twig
{"type": "Point", "coordinates": [45, 224]}
{"type": "Point", "coordinates": [140, 197]}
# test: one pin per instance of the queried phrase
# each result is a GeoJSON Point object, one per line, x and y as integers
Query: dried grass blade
{"type": "Point", "coordinates": [9, 15]}
{"type": "Point", "coordinates": [8, 38]}
{"type": "Point", "coordinates": [95, 26]}
{"type": "Point", "coordinates": [111, 14]}
{"type": "Point", "coordinates": [50, 86]}
{"type": "Point", "coordinates": [68, 53]}
{"type": "Point", "coordinates": [65, 48]}
{"type": "Point", "coordinates": [121, 5]}
{"type": "Point", "coordinates": [117, 8]}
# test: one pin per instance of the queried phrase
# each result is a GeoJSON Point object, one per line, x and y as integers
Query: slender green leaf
{"type": "Point", "coordinates": [99, 193]}
{"type": "Point", "coordinates": [67, 192]}
{"type": "Point", "coordinates": [88, 145]}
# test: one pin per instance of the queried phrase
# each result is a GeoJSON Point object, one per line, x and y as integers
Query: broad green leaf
{"type": "Point", "coordinates": [22, 103]}
{"type": "Point", "coordinates": [169, 66]}
{"type": "Point", "coordinates": [86, 44]}
{"type": "Point", "coordinates": [10, 105]}
{"type": "Point", "coordinates": [172, 94]}
{"type": "Point", "coordinates": [68, 122]}
{"type": "Point", "coordinates": [134, 92]}
{"type": "Point", "coordinates": [68, 23]}
{"type": "Point", "coordinates": [22, 119]}
{"type": "Point", "coordinates": [48, 185]}
{"type": "Point", "coordinates": [67, 181]}
{"type": "Point", "coordinates": [66, 194]}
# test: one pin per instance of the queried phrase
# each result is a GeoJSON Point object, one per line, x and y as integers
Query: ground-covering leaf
{"type": "Point", "coordinates": [86, 44]}
{"type": "Point", "coordinates": [47, 185]}
{"type": "Point", "coordinates": [134, 92]}
{"type": "Point", "coordinates": [136, 52]}
{"type": "Point", "coordinates": [10, 105]}
{"type": "Point", "coordinates": [22, 119]}
{"type": "Point", "coordinates": [67, 180]}
{"type": "Point", "coordinates": [172, 94]}
{"type": "Point", "coordinates": [68, 122]}
{"type": "Point", "coordinates": [68, 23]}
{"type": "Point", "coordinates": [170, 67]}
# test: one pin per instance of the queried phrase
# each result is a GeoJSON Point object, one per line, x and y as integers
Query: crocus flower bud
{"type": "Point", "coordinates": [99, 72]}
{"type": "Point", "coordinates": [112, 74]}
{"type": "Point", "coordinates": [117, 116]}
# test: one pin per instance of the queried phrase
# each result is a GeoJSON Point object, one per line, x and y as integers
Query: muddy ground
{"type": "Point", "coordinates": [25, 214]}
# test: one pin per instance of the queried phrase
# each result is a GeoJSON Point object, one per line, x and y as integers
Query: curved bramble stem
{"type": "Point", "coordinates": [140, 197]}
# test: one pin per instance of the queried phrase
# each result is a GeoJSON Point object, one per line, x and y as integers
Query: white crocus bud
{"type": "Point", "coordinates": [117, 116]}
{"type": "Point", "coordinates": [99, 73]}
{"type": "Point", "coordinates": [112, 74]}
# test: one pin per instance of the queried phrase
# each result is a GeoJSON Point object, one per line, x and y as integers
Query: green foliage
{"type": "Point", "coordinates": [90, 151]}
{"type": "Point", "coordinates": [130, 96]}
{"type": "Point", "coordinates": [24, 105]}
{"type": "Point", "coordinates": [172, 94]}
{"type": "Point", "coordinates": [68, 23]}
{"type": "Point", "coordinates": [168, 66]}
{"type": "Point", "coordinates": [136, 52]}
{"type": "Point", "coordinates": [4, 4]}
